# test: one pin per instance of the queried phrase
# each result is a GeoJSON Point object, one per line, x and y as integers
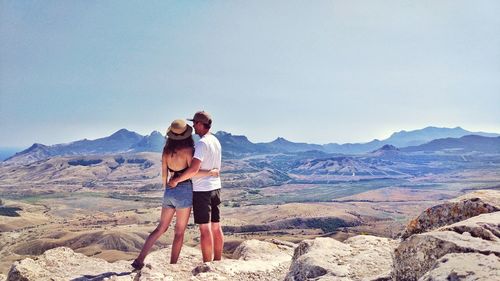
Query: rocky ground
{"type": "Point", "coordinates": [456, 240]}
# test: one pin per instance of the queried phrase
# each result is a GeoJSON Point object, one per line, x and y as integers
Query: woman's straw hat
{"type": "Point", "coordinates": [179, 130]}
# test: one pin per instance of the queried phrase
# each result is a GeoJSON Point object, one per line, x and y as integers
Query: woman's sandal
{"type": "Point", "coordinates": [137, 265]}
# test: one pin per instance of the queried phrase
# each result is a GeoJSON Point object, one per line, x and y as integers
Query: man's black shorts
{"type": "Point", "coordinates": [206, 206]}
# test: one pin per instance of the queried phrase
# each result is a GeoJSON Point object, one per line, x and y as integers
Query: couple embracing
{"type": "Point", "coordinates": [190, 175]}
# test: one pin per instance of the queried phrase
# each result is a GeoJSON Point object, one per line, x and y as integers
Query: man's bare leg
{"type": "Point", "coordinates": [218, 240]}
{"type": "Point", "coordinates": [206, 242]}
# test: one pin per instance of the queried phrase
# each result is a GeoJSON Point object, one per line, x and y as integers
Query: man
{"type": "Point", "coordinates": [206, 190]}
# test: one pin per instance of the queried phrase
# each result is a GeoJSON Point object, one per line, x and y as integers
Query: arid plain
{"type": "Point", "coordinates": [105, 206]}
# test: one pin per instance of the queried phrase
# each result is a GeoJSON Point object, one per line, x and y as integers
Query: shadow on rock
{"type": "Point", "coordinates": [100, 277]}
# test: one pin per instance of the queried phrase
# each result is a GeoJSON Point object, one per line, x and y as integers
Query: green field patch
{"type": "Point", "coordinates": [33, 199]}
{"type": "Point", "coordinates": [130, 197]}
{"type": "Point", "coordinates": [317, 192]}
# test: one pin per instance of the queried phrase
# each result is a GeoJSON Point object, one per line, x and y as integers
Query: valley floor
{"type": "Point", "coordinates": [113, 224]}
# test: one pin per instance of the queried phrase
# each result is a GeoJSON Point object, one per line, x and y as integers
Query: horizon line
{"type": "Point", "coordinates": [361, 142]}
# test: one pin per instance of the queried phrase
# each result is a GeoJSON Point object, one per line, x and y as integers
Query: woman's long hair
{"type": "Point", "coordinates": [171, 146]}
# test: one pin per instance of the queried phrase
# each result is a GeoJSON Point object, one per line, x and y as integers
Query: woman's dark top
{"type": "Point", "coordinates": [178, 173]}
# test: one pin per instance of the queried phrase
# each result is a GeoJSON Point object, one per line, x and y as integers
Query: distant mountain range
{"type": "Point", "coordinates": [240, 144]}
{"type": "Point", "coordinates": [122, 141]}
{"type": "Point", "coordinates": [404, 139]}
{"type": "Point", "coordinates": [465, 144]}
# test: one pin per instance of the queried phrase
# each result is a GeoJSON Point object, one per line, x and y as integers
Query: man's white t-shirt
{"type": "Point", "coordinates": [208, 151]}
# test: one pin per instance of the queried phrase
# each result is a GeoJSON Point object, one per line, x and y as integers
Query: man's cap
{"type": "Point", "coordinates": [179, 130]}
{"type": "Point", "coordinates": [203, 117]}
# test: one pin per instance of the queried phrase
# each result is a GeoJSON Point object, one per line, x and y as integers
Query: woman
{"type": "Point", "coordinates": [176, 157]}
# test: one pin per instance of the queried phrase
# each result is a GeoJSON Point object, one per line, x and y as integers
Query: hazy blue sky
{"type": "Point", "coordinates": [312, 71]}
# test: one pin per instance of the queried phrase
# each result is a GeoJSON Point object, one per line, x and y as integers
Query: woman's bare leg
{"type": "Point", "coordinates": [180, 227]}
{"type": "Point", "coordinates": [165, 220]}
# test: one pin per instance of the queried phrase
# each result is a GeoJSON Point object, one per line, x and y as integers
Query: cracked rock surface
{"type": "Point", "coordinates": [361, 257]}
{"type": "Point", "coordinates": [446, 250]}
{"type": "Point", "coordinates": [471, 266]}
{"type": "Point", "coordinates": [254, 260]}
{"type": "Point", "coordinates": [459, 209]}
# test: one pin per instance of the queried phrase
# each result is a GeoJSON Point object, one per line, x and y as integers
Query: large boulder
{"type": "Point", "coordinates": [420, 253]}
{"type": "Point", "coordinates": [262, 250]}
{"type": "Point", "coordinates": [64, 264]}
{"type": "Point", "coordinates": [459, 209]}
{"type": "Point", "coordinates": [471, 266]}
{"type": "Point", "coordinates": [361, 257]}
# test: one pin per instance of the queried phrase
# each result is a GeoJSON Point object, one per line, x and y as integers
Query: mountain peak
{"type": "Point", "coordinates": [33, 148]}
{"type": "Point", "coordinates": [280, 140]}
{"type": "Point", "coordinates": [122, 132]}
{"type": "Point", "coordinates": [223, 133]}
{"type": "Point", "coordinates": [228, 137]}
{"type": "Point", "coordinates": [37, 145]}
{"type": "Point", "coordinates": [386, 150]}
{"type": "Point", "coordinates": [155, 134]}
{"type": "Point", "coordinates": [416, 137]}
{"type": "Point", "coordinates": [388, 147]}
{"type": "Point", "coordinates": [38, 149]}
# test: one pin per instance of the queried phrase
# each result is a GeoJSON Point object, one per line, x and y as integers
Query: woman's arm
{"type": "Point", "coordinates": [164, 171]}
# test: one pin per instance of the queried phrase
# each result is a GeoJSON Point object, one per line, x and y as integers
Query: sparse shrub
{"type": "Point", "coordinates": [136, 161]}
{"type": "Point", "coordinates": [147, 164]}
{"type": "Point", "coordinates": [84, 162]}
{"type": "Point", "coordinates": [88, 184]}
{"type": "Point", "coordinates": [120, 160]}
{"type": "Point", "coordinates": [10, 211]}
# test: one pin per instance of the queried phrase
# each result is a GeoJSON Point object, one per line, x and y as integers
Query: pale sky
{"type": "Point", "coordinates": [309, 71]}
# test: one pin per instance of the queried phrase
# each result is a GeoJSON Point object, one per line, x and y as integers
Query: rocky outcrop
{"type": "Point", "coordinates": [254, 260]}
{"type": "Point", "coordinates": [459, 209]}
{"type": "Point", "coordinates": [443, 251]}
{"type": "Point", "coordinates": [471, 266]}
{"type": "Point", "coordinates": [415, 256]}
{"type": "Point", "coordinates": [64, 264]}
{"type": "Point", "coordinates": [361, 257]}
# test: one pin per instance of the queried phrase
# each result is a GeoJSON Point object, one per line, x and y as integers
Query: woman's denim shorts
{"type": "Point", "coordinates": [179, 197]}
